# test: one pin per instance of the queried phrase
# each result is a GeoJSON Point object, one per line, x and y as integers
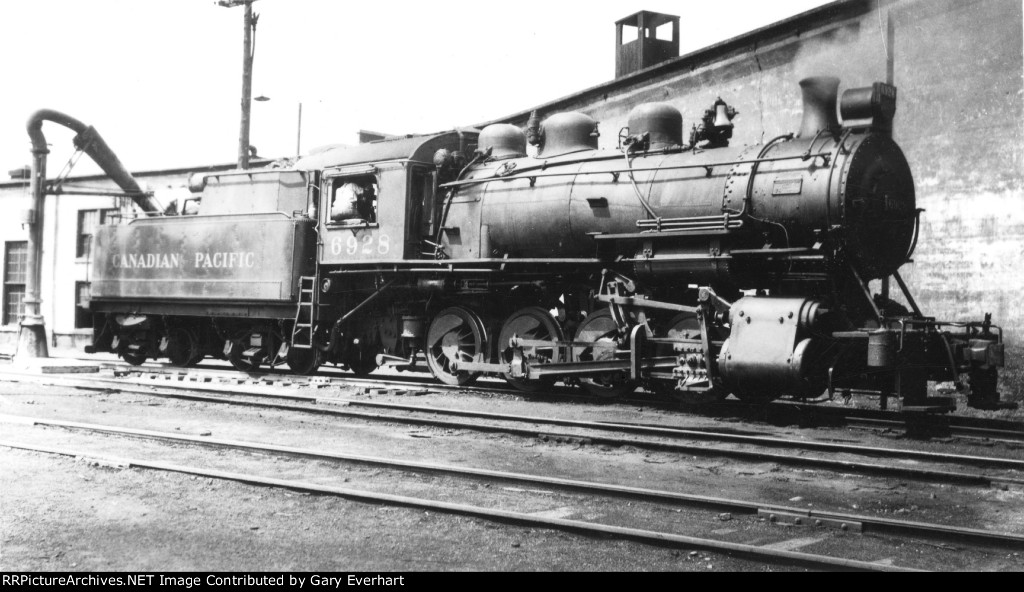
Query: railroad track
{"type": "Point", "coordinates": [809, 521]}
{"type": "Point", "coordinates": [775, 553]}
{"type": "Point", "coordinates": [640, 535]}
{"type": "Point", "coordinates": [781, 412]}
{"type": "Point", "coordinates": [743, 447]}
{"type": "Point", "coordinates": [775, 513]}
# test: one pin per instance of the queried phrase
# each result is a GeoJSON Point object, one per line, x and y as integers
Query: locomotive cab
{"type": "Point", "coordinates": [374, 213]}
{"type": "Point", "coordinates": [377, 201]}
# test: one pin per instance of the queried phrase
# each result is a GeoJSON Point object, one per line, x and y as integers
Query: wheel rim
{"type": "Point", "coordinates": [455, 334]}
{"type": "Point", "coordinates": [304, 361]}
{"type": "Point", "coordinates": [600, 331]}
{"type": "Point", "coordinates": [361, 362]}
{"type": "Point", "coordinates": [240, 363]}
{"type": "Point", "coordinates": [531, 323]}
{"type": "Point", "coordinates": [133, 358]}
{"type": "Point", "coordinates": [181, 347]}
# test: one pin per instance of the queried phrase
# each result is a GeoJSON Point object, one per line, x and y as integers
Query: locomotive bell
{"type": "Point", "coordinates": [721, 114]}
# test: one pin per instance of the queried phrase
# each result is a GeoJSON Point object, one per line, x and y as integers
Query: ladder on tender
{"type": "Point", "coordinates": [305, 313]}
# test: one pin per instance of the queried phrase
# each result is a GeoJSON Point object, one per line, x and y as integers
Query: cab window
{"type": "Point", "coordinates": [353, 201]}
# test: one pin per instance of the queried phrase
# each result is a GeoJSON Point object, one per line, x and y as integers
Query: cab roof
{"type": "Point", "coordinates": [415, 148]}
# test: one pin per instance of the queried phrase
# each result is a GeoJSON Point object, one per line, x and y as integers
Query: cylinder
{"type": "Point", "coordinates": [429, 285]}
{"type": "Point", "coordinates": [881, 349]}
{"type": "Point", "coordinates": [412, 326]}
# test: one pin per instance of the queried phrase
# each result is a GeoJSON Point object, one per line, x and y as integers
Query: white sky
{"type": "Point", "coordinates": [161, 79]}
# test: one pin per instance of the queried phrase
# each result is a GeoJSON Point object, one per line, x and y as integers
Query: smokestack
{"type": "Point", "coordinates": [821, 93]}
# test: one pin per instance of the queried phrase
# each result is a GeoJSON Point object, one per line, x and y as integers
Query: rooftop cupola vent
{"type": "Point", "coordinates": [643, 40]}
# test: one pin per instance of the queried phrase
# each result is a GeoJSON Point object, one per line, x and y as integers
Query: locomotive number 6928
{"type": "Point", "coordinates": [365, 243]}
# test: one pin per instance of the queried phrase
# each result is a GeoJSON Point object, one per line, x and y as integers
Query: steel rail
{"type": "Point", "coordinates": [984, 434]}
{"type": "Point", "coordinates": [1010, 436]}
{"type": "Point", "coordinates": [664, 431]}
{"type": "Point", "coordinates": [670, 432]}
{"type": "Point", "coordinates": [748, 455]}
{"type": "Point", "coordinates": [866, 522]}
{"type": "Point", "coordinates": [644, 536]}
{"type": "Point", "coordinates": [969, 425]}
{"type": "Point", "coordinates": [710, 435]}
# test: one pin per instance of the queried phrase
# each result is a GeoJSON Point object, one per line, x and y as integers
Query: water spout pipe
{"type": "Point", "coordinates": [89, 141]}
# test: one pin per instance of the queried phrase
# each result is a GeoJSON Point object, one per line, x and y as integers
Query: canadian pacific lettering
{"type": "Point", "coordinates": [148, 260]}
{"type": "Point", "coordinates": [218, 260]}
{"type": "Point", "coordinates": [203, 260]}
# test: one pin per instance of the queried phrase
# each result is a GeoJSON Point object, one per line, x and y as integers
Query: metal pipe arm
{"type": "Point", "coordinates": [89, 141]}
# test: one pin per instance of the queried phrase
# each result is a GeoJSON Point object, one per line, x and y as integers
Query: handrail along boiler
{"type": "Point", "coordinates": [692, 268]}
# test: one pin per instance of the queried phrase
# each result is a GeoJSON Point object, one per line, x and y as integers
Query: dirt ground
{"type": "Point", "coordinates": [59, 513]}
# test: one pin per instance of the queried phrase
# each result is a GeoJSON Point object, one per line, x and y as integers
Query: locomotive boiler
{"type": "Point", "coordinates": [683, 265]}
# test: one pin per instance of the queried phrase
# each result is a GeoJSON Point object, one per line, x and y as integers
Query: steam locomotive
{"type": "Point", "coordinates": [683, 265]}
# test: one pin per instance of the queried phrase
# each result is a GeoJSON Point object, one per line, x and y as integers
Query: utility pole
{"type": "Point", "coordinates": [298, 134]}
{"type": "Point", "coordinates": [249, 23]}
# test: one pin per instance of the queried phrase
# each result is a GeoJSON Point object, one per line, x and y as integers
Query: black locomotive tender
{"type": "Point", "coordinates": [692, 268]}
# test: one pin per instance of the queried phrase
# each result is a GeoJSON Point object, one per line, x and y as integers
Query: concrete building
{"type": "Point", "coordinates": [959, 67]}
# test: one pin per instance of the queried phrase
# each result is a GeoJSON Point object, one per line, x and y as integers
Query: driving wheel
{"type": "Point", "coordinates": [456, 335]}
{"type": "Point", "coordinates": [600, 331]}
{"type": "Point", "coordinates": [533, 323]}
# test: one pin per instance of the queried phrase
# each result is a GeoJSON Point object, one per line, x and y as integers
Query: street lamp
{"type": "Point", "coordinates": [247, 55]}
{"type": "Point", "coordinates": [298, 126]}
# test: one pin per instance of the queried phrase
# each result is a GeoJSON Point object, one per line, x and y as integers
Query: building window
{"type": "Point", "coordinates": [83, 316]}
{"type": "Point", "coordinates": [88, 222]}
{"type": "Point", "coordinates": [15, 276]}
